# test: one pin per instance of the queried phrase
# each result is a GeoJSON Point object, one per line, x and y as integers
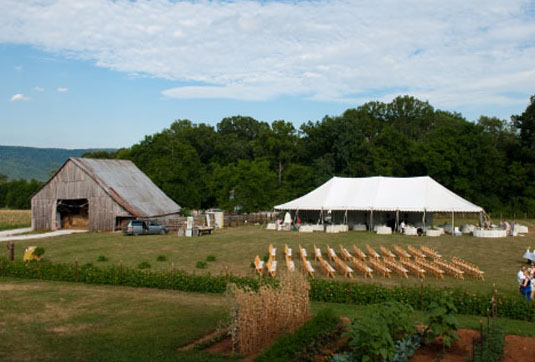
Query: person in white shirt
{"type": "Point", "coordinates": [402, 226]}
{"type": "Point", "coordinates": [520, 276]}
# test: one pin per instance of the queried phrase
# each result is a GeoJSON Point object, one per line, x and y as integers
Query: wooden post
{"type": "Point", "coordinates": [11, 247]}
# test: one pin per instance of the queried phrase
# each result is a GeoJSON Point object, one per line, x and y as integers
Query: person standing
{"type": "Point", "coordinates": [526, 286]}
{"type": "Point", "coordinates": [520, 276]}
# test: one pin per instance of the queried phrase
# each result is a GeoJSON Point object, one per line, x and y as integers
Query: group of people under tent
{"type": "Point", "coordinates": [526, 281]}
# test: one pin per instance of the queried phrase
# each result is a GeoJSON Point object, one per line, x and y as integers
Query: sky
{"type": "Point", "coordinates": [102, 73]}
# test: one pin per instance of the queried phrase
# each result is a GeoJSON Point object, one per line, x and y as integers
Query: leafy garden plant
{"type": "Point", "coordinates": [441, 321]}
{"type": "Point", "coordinates": [201, 264]}
{"type": "Point", "coordinates": [102, 258]}
{"type": "Point", "coordinates": [143, 265]}
{"type": "Point", "coordinates": [161, 258]}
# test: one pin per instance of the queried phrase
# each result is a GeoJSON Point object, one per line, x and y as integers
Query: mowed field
{"type": "Point", "coordinates": [235, 249]}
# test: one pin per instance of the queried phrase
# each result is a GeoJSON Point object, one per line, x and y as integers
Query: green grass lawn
{"type": "Point", "coordinates": [235, 248]}
{"type": "Point", "coordinates": [53, 321]}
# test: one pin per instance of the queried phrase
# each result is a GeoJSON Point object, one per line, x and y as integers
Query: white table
{"type": "Point", "coordinates": [490, 233]}
{"type": "Point", "coordinates": [384, 230]}
{"type": "Point", "coordinates": [433, 232]}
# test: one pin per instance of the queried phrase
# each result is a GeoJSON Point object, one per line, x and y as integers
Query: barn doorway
{"type": "Point", "coordinates": [73, 214]}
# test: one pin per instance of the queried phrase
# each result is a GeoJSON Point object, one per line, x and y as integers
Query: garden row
{"type": "Point", "coordinates": [420, 298]}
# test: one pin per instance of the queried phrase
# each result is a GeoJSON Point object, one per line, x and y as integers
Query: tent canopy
{"type": "Point", "coordinates": [410, 194]}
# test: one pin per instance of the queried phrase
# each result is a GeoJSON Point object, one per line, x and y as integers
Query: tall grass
{"type": "Point", "coordinates": [12, 219]}
{"type": "Point", "coordinates": [258, 318]}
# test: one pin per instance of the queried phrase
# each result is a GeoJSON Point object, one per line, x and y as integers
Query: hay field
{"type": "Point", "coordinates": [12, 219]}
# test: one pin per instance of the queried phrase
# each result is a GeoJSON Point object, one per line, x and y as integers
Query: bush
{"type": "Point", "coordinates": [305, 341]}
{"type": "Point", "coordinates": [143, 265]}
{"type": "Point", "coordinates": [210, 258]}
{"type": "Point", "coordinates": [201, 264]}
{"type": "Point", "coordinates": [161, 258]}
{"type": "Point", "coordinates": [39, 252]}
{"type": "Point", "coordinates": [102, 258]}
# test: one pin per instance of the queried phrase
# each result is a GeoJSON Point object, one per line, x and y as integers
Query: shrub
{"type": "Point", "coordinates": [201, 264]}
{"type": "Point", "coordinates": [143, 265]}
{"type": "Point", "coordinates": [305, 341]}
{"type": "Point", "coordinates": [102, 258]}
{"type": "Point", "coordinates": [259, 317]}
{"type": "Point", "coordinates": [210, 258]}
{"type": "Point", "coordinates": [39, 252]}
{"type": "Point", "coordinates": [161, 258]}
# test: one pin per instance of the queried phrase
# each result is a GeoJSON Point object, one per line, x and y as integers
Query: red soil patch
{"type": "Point", "coordinates": [517, 349]}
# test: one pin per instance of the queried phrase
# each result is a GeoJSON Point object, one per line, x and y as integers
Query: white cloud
{"type": "Point", "coordinates": [18, 68]}
{"type": "Point", "coordinates": [62, 90]}
{"type": "Point", "coordinates": [452, 53]}
{"type": "Point", "coordinates": [38, 89]}
{"type": "Point", "coordinates": [19, 97]}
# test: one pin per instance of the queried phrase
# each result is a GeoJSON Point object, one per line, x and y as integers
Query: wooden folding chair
{"type": "Point", "coordinates": [343, 268]}
{"type": "Point", "coordinates": [331, 254]}
{"type": "Point", "coordinates": [272, 250]}
{"type": "Point", "coordinates": [272, 267]}
{"type": "Point", "coordinates": [290, 265]}
{"type": "Point", "coordinates": [413, 268]}
{"type": "Point", "coordinates": [303, 252]}
{"type": "Point", "coordinates": [380, 268]}
{"type": "Point", "coordinates": [372, 253]}
{"type": "Point", "coordinates": [431, 253]}
{"type": "Point", "coordinates": [307, 267]}
{"type": "Point", "coordinates": [258, 265]}
{"type": "Point", "coordinates": [345, 254]}
{"type": "Point", "coordinates": [387, 253]}
{"type": "Point", "coordinates": [449, 268]}
{"type": "Point", "coordinates": [327, 269]}
{"type": "Point", "coordinates": [362, 267]}
{"type": "Point", "coordinates": [430, 268]}
{"type": "Point", "coordinates": [287, 251]}
{"type": "Point", "coordinates": [401, 252]}
{"type": "Point", "coordinates": [317, 253]}
{"type": "Point", "coordinates": [396, 267]}
{"type": "Point", "coordinates": [359, 253]}
{"type": "Point", "coordinates": [415, 252]}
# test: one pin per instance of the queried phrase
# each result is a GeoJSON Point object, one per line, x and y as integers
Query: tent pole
{"type": "Point", "coordinates": [371, 220]}
{"type": "Point", "coordinates": [345, 218]}
{"type": "Point", "coordinates": [453, 223]}
{"type": "Point", "coordinates": [397, 220]}
{"type": "Point", "coordinates": [423, 221]}
{"type": "Point", "coordinates": [480, 219]}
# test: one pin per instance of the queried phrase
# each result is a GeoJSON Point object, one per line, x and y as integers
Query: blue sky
{"type": "Point", "coordinates": [107, 73]}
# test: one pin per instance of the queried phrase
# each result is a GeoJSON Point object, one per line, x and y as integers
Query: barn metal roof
{"type": "Point", "coordinates": [128, 186]}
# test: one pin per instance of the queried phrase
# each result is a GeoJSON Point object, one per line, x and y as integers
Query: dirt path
{"type": "Point", "coordinates": [15, 237]}
{"type": "Point", "coordinates": [517, 349]}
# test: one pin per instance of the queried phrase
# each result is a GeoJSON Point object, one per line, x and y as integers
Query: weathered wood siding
{"type": "Point", "coordinates": [73, 183]}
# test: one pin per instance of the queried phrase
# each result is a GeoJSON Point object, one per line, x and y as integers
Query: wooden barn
{"type": "Point", "coordinates": [98, 195]}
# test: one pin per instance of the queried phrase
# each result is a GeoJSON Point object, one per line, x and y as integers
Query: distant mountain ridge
{"type": "Point", "coordinates": [36, 163]}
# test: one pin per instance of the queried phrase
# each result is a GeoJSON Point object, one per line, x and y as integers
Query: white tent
{"type": "Point", "coordinates": [405, 194]}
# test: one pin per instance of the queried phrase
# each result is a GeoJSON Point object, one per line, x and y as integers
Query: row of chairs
{"type": "Point", "coordinates": [457, 268]}
{"type": "Point", "coordinates": [430, 267]}
{"type": "Point", "coordinates": [468, 268]}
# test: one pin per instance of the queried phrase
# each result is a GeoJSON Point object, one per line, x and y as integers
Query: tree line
{"type": "Point", "coordinates": [246, 164]}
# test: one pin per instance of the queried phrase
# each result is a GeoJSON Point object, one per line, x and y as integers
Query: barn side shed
{"type": "Point", "coordinates": [98, 195]}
